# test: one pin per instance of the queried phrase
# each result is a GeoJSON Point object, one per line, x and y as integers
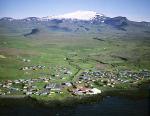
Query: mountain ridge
{"type": "Point", "coordinates": [96, 24]}
{"type": "Point", "coordinates": [77, 15]}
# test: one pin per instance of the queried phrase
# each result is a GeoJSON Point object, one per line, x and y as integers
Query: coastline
{"type": "Point", "coordinates": [142, 92]}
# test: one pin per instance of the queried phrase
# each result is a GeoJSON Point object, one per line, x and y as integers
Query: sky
{"type": "Point", "coordinates": [136, 10]}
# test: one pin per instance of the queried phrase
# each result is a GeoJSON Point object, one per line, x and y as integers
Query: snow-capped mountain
{"type": "Point", "coordinates": [6, 19]}
{"type": "Point", "coordinates": [82, 15]}
{"type": "Point", "coordinates": [76, 22]}
{"type": "Point", "coordinates": [79, 15]}
{"type": "Point", "coordinates": [32, 19]}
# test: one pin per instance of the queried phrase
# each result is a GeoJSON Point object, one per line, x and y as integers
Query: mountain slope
{"type": "Point", "coordinates": [88, 22]}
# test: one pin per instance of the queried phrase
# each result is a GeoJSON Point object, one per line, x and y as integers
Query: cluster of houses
{"type": "Point", "coordinates": [36, 67]}
{"type": "Point", "coordinates": [63, 70]}
{"type": "Point", "coordinates": [28, 86]}
{"type": "Point", "coordinates": [26, 60]}
{"type": "Point", "coordinates": [31, 87]}
{"type": "Point", "coordinates": [93, 75]}
{"type": "Point", "coordinates": [47, 89]}
{"type": "Point", "coordinates": [109, 79]}
{"type": "Point", "coordinates": [134, 75]}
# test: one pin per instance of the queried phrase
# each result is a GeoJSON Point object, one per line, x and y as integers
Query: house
{"type": "Point", "coordinates": [49, 86]}
{"type": "Point", "coordinates": [76, 92]}
{"type": "Point", "coordinates": [16, 81]}
{"type": "Point", "coordinates": [112, 86]}
{"type": "Point", "coordinates": [109, 84]}
{"type": "Point", "coordinates": [25, 68]}
{"type": "Point", "coordinates": [67, 72]}
{"type": "Point", "coordinates": [44, 92]}
{"type": "Point", "coordinates": [95, 91]}
{"type": "Point", "coordinates": [57, 87]}
{"type": "Point", "coordinates": [26, 60]}
{"type": "Point", "coordinates": [53, 86]}
{"type": "Point", "coordinates": [85, 91]}
{"type": "Point", "coordinates": [36, 93]}
{"type": "Point", "coordinates": [28, 92]}
{"type": "Point", "coordinates": [68, 84]}
{"type": "Point", "coordinates": [84, 78]}
{"type": "Point", "coordinates": [46, 81]}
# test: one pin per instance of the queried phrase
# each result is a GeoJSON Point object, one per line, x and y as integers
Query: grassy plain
{"type": "Point", "coordinates": [82, 50]}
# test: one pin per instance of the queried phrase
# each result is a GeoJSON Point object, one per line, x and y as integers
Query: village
{"type": "Point", "coordinates": [88, 82]}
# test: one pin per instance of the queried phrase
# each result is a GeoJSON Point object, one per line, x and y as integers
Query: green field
{"type": "Point", "coordinates": [82, 50]}
{"type": "Point", "coordinates": [76, 53]}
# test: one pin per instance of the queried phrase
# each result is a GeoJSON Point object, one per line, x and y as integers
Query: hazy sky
{"type": "Point", "coordinates": [137, 10]}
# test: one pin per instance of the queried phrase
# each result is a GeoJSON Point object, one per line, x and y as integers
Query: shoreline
{"type": "Point", "coordinates": [134, 94]}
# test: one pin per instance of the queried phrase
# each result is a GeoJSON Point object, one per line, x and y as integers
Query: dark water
{"type": "Point", "coordinates": [109, 106]}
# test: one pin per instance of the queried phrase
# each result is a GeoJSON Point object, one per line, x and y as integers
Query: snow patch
{"type": "Point", "coordinates": [79, 15]}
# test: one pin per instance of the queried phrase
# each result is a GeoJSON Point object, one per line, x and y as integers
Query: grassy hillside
{"type": "Point", "coordinates": [57, 49]}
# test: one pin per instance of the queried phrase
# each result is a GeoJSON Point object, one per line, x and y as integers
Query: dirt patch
{"type": "Point", "coordinates": [100, 66]}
